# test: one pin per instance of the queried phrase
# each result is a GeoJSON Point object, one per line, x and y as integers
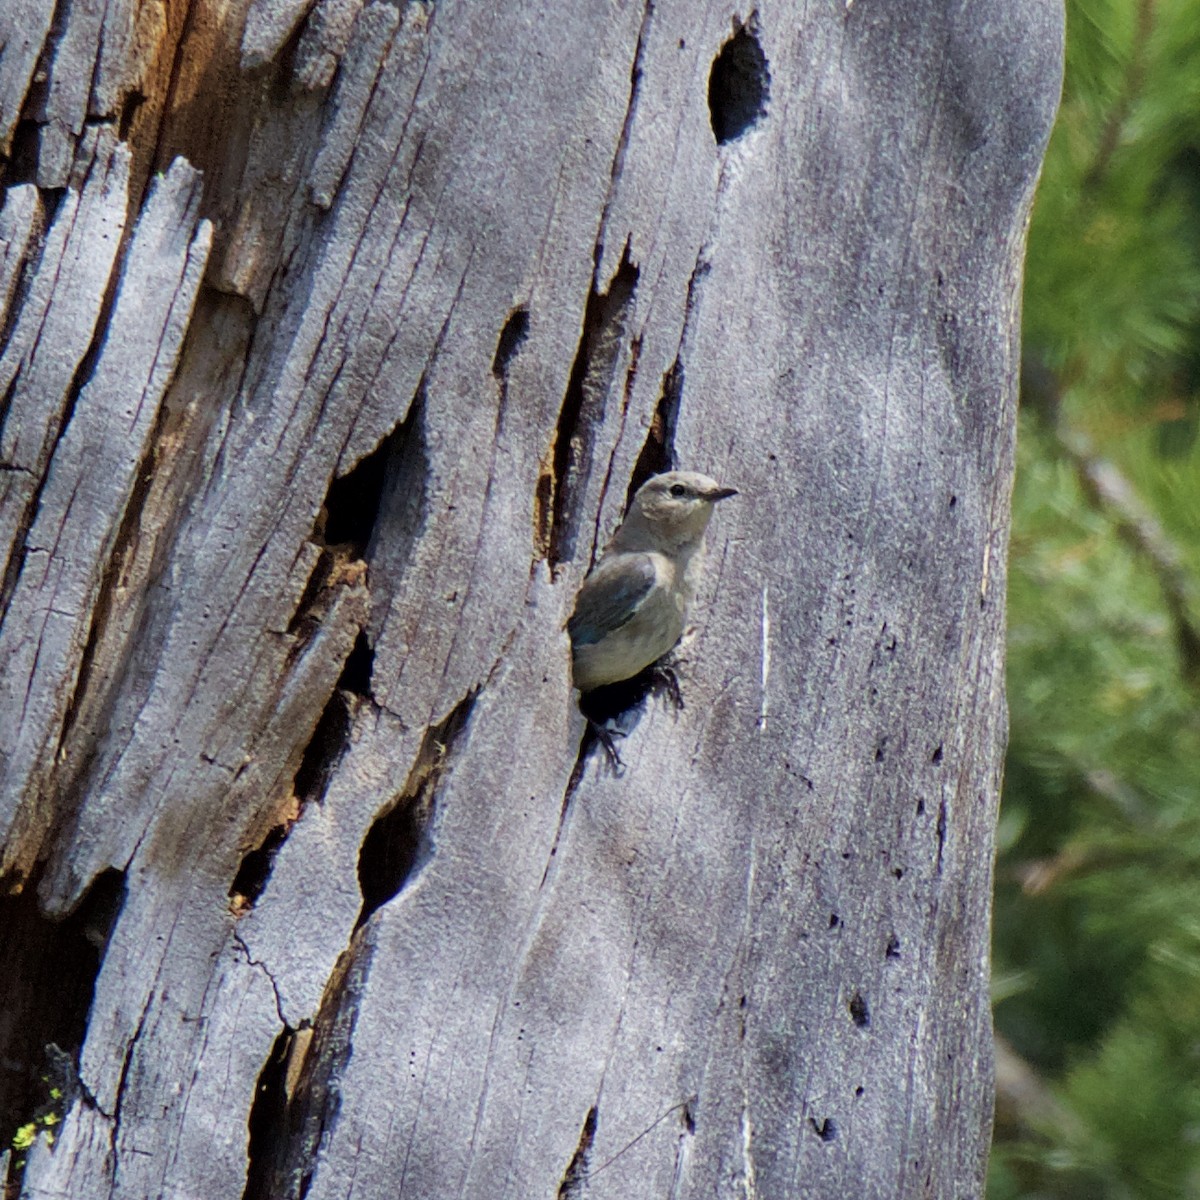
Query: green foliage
{"type": "Point", "coordinates": [28, 1133]}
{"type": "Point", "coordinates": [44, 1124]}
{"type": "Point", "coordinates": [1097, 925]}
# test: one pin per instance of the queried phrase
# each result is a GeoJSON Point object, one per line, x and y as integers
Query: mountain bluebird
{"type": "Point", "coordinates": [632, 608]}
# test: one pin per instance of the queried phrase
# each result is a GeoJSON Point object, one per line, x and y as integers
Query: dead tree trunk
{"type": "Point", "coordinates": [335, 337]}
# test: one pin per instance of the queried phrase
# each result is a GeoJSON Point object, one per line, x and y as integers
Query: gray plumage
{"type": "Point", "coordinates": [633, 607]}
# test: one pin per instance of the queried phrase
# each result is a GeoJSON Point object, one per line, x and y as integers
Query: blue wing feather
{"type": "Point", "coordinates": [610, 597]}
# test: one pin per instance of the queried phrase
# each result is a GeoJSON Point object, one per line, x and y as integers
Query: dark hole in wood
{"type": "Point", "coordinates": [352, 504]}
{"type": "Point", "coordinates": [321, 756]}
{"type": "Point", "coordinates": [658, 451]}
{"type": "Point", "coordinates": [356, 674]}
{"type": "Point", "coordinates": [255, 867]}
{"type": "Point", "coordinates": [267, 1124]}
{"type": "Point", "coordinates": [738, 85]}
{"type": "Point", "coordinates": [514, 333]}
{"type": "Point", "coordinates": [399, 841]}
{"type": "Point", "coordinates": [129, 110]}
{"type": "Point", "coordinates": [388, 854]}
{"type": "Point", "coordinates": [859, 1013]}
{"type": "Point", "coordinates": [826, 1130]}
{"type": "Point", "coordinates": [617, 708]}
{"type": "Point", "coordinates": [354, 500]}
{"type": "Point", "coordinates": [576, 1173]}
{"type": "Point", "coordinates": [584, 403]}
{"type": "Point", "coordinates": [324, 749]}
{"type": "Point", "coordinates": [23, 157]}
{"type": "Point", "coordinates": [48, 972]}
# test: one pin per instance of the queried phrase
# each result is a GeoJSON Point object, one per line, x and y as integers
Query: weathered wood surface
{"type": "Point", "coordinates": [289, 549]}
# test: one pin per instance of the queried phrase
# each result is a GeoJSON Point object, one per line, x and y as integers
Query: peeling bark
{"type": "Point", "coordinates": [336, 335]}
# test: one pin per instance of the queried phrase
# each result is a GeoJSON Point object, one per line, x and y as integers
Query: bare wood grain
{"type": "Point", "coordinates": [474, 268]}
{"type": "Point", "coordinates": [82, 503]}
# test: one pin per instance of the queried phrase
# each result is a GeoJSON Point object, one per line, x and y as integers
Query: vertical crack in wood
{"type": "Point", "coordinates": [296, 1125]}
{"type": "Point", "coordinates": [48, 971]}
{"type": "Point", "coordinates": [512, 338]}
{"type": "Point", "coordinates": [123, 548]}
{"type": "Point", "coordinates": [400, 841]}
{"type": "Point", "coordinates": [244, 950]}
{"type": "Point", "coordinates": [267, 1122]}
{"type": "Point", "coordinates": [318, 762]}
{"type": "Point", "coordinates": [347, 525]}
{"type": "Point", "coordinates": [389, 500]}
{"type": "Point", "coordinates": [24, 221]}
{"type": "Point", "coordinates": [21, 167]}
{"type": "Point", "coordinates": [255, 868]}
{"type": "Point", "coordinates": [355, 499]}
{"type": "Point", "coordinates": [360, 666]}
{"type": "Point", "coordinates": [686, 1133]}
{"type": "Point", "coordinates": [658, 451]}
{"type": "Point", "coordinates": [324, 749]}
{"type": "Point", "coordinates": [941, 834]}
{"type": "Point", "coordinates": [586, 742]}
{"type": "Point", "coordinates": [635, 355]}
{"type": "Point", "coordinates": [83, 372]}
{"type": "Point", "coordinates": [567, 466]}
{"type": "Point", "coordinates": [575, 1176]}
{"type": "Point", "coordinates": [192, 15]}
{"type": "Point", "coordinates": [37, 89]}
{"type": "Point", "coordinates": [130, 107]}
{"type": "Point", "coordinates": [114, 1128]}
{"type": "Point", "coordinates": [618, 162]}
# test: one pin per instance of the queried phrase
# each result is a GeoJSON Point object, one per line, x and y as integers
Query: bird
{"type": "Point", "coordinates": [632, 608]}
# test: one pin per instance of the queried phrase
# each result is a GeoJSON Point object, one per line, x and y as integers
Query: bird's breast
{"type": "Point", "coordinates": [643, 639]}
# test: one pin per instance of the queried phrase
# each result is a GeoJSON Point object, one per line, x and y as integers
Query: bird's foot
{"type": "Point", "coordinates": [664, 681]}
{"type": "Point", "coordinates": [606, 736]}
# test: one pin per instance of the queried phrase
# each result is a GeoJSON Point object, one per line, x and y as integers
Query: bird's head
{"type": "Point", "coordinates": [672, 510]}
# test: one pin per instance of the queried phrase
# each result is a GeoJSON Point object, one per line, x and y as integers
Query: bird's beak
{"type": "Point", "coordinates": [721, 494]}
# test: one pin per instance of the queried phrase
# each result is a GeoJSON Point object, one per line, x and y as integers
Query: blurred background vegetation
{"type": "Point", "coordinates": [1097, 923]}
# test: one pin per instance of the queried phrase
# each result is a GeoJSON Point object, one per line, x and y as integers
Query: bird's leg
{"type": "Point", "coordinates": [664, 681]}
{"type": "Point", "coordinates": [603, 709]}
{"type": "Point", "coordinates": [607, 738]}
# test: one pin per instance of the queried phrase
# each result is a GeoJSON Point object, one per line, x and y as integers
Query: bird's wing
{"type": "Point", "coordinates": [610, 596]}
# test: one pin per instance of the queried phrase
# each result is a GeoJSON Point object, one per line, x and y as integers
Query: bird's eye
{"type": "Point", "coordinates": [677, 489]}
